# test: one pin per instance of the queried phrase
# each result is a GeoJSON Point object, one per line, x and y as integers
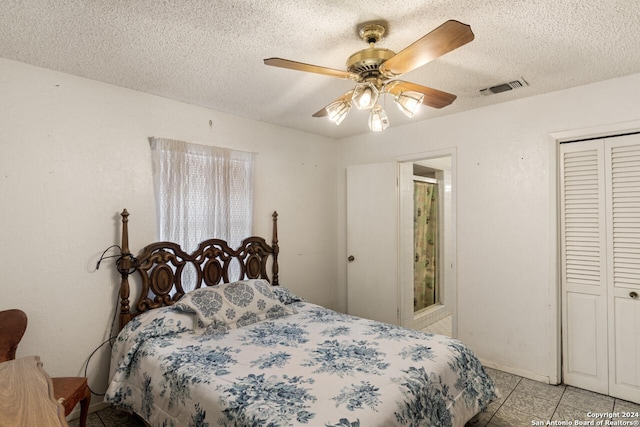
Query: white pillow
{"type": "Point", "coordinates": [233, 305]}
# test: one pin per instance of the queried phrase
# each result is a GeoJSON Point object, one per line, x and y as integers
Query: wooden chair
{"type": "Point", "coordinates": [67, 390]}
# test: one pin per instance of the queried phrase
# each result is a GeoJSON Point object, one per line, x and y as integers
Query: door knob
{"type": "Point", "coordinates": [351, 258]}
{"type": "Point", "coordinates": [633, 294]}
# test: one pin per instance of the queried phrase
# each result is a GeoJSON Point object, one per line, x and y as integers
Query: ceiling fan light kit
{"type": "Point", "coordinates": [365, 96]}
{"type": "Point", "coordinates": [373, 69]}
{"type": "Point", "coordinates": [378, 120]}
{"type": "Point", "coordinates": [338, 110]}
{"type": "Point", "coordinates": [409, 102]}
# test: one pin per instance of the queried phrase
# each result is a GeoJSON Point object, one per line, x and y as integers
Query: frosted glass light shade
{"type": "Point", "coordinates": [365, 96]}
{"type": "Point", "coordinates": [378, 120]}
{"type": "Point", "coordinates": [338, 110]}
{"type": "Point", "coordinates": [409, 102]}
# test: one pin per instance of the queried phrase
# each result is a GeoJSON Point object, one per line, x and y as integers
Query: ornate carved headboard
{"type": "Point", "coordinates": [161, 266]}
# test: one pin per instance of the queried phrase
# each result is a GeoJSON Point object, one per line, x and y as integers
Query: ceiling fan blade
{"type": "Point", "coordinates": [447, 37]}
{"type": "Point", "coordinates": [324, 112]}
{"type": "Point", "coordinates": [321, 113]}
{"type": "Point", "coordinates": [299, 66]}
{"type": "Point", "coordinates": [432, 97]}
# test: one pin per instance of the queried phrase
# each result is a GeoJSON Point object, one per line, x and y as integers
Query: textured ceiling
{"type": "Point", "coordinates": [210, 53]}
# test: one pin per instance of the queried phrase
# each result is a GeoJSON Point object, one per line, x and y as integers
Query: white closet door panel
{"type": "Point", "coordinates": [623, 211]}
{"type": "Point", "coordinates": [586, 362]}
{"type": "Point", "coordinates": [623, 226]}
{"type": "Point", "coordinates": [583, 249]}
{"type": "Point", "coordinates": [582, 213]}
{"type": "Point", "coordinates": [624, 375]}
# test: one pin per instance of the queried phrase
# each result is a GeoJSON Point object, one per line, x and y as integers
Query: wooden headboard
{"type": "Point", "coordinates": [160, 266]}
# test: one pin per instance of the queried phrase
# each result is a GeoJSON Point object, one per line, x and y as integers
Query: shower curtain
{"type": "Point", "coordinates": [425, 240]}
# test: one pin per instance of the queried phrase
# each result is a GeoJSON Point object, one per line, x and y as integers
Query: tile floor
{"type": "Point", "coordinates": [110, 417]}
{"type": "Point", "coordinates": [441, 327]}
{"type": "Point", "coordinates": [521, 402]}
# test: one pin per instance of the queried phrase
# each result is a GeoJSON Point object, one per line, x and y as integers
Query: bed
{"type": "Point", "coordinates": [246, 351]}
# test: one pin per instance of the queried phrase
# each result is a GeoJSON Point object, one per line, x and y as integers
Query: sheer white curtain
{"type": "Point", "coordinates": [202, 192]}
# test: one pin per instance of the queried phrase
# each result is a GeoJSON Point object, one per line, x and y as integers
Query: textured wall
{"type": "Point", "coordinates": [507, 296]}
{"type": "Point", "coordinates": [75, 153]}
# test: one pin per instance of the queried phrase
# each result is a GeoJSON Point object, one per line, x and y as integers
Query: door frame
{"type": "Point", "coordinates": [554, 266]}
{"type": "Point", "coordinates": [405, 270]}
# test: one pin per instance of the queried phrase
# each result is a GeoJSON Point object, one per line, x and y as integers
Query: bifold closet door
{"type": "Point", "coordinates": [622, 162]}
{"type": "Point", "coordinates": [600, 247]}
{"type": "Point", "coordinates": [583, 249]}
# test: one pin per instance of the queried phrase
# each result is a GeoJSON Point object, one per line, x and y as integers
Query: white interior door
{"type": "Point", "coordinates": [583, 249]}
{"type": "Point", "coordinates": [372, 241]}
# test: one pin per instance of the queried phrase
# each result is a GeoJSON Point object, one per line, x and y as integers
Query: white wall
{"type": "Point", "coordinates": [507, 278]}
{"type": "Point", "coordinates": [75, 152]}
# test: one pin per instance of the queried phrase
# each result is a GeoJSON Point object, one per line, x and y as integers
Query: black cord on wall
{"type": "Point", "coordinates": [133, 261]}
{"type": "Point", "coordinates": [133, 265]}
{"type": "Point", "coordinates": [109, 340]}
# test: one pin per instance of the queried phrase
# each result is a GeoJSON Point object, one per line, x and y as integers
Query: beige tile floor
{"type": "Point", "coordinates": [441, 327]}
{"type": "Point", "coordinates": [522, 402]}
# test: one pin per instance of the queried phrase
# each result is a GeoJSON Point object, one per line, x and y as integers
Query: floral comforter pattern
{"type": "Point", "coordinates": [313, 368]}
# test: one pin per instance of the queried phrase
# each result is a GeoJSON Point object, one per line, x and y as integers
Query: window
{"type": "Point", "coordinates": [201, 192]}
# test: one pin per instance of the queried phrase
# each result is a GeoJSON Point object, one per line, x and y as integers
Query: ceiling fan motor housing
{"type": "Point", "coordinates": [366, 63]}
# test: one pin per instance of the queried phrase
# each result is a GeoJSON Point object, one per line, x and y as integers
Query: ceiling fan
{"type": "Point", "coordinates": [375, 70]}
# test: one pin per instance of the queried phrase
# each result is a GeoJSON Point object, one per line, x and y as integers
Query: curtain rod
{"type": "Point", "coordinates": [203, 145]}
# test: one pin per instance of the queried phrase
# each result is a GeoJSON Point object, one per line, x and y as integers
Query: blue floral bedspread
{"type": "Point", "coordinates": [313, 368]}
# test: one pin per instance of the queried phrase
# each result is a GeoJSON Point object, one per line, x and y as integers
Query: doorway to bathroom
{"type": "Point", "coordinates": [432, 243]}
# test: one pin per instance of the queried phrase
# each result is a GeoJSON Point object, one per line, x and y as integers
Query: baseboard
{"type": "Point", "coordinates": [521, 373]}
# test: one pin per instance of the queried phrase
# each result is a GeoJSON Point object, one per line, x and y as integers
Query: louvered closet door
{"type": "Point", "coordinates": [623, 226]}
{"type": "Point", "coordinates": [583, 248]}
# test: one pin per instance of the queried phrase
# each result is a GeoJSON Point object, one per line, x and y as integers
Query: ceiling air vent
{"type": "Point", "coordinates": [504, 87]}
